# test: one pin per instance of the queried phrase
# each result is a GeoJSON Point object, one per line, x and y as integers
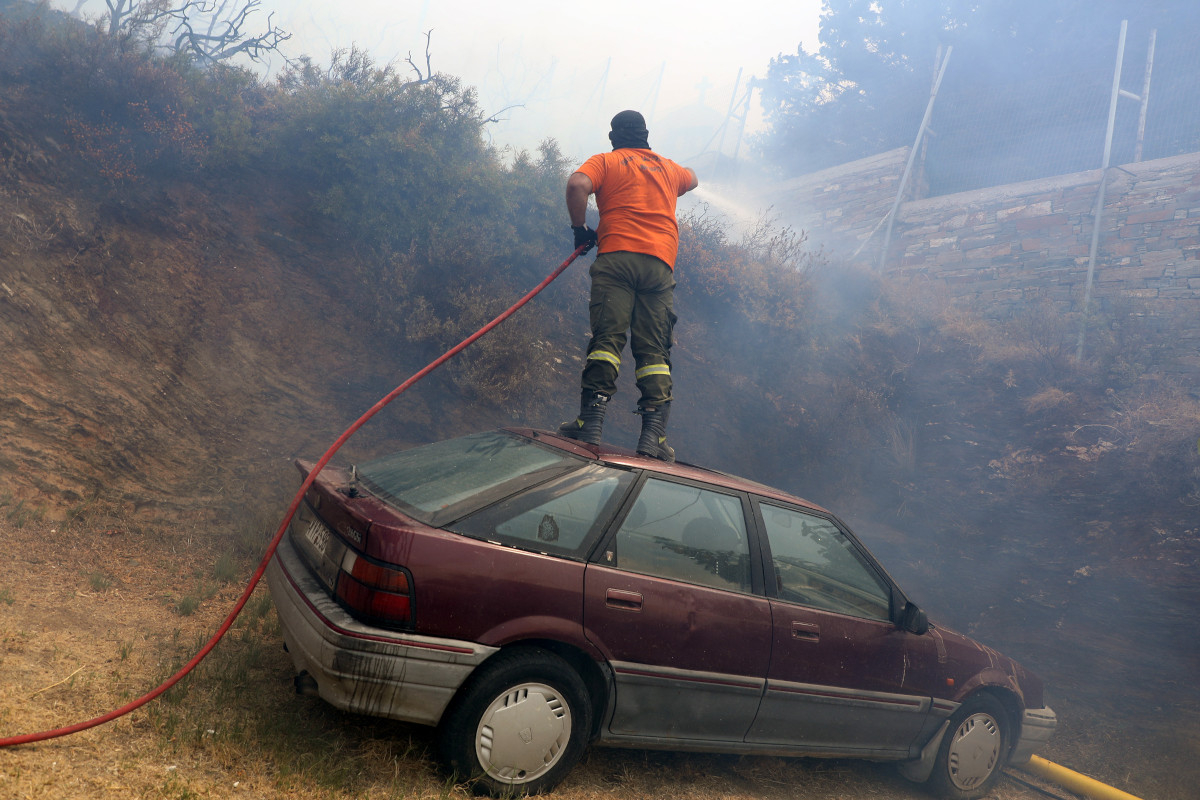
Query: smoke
{"type": "Point", "coordinates": [971, 454]}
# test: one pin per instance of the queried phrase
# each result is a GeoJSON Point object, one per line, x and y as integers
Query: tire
{"type": "Point", "coordinates": [974, 750]}
{"type": "Point", "coordinates": [518, 726]}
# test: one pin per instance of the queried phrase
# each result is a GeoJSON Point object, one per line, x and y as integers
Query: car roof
{"type": "Point", "coordinates": [623, 457]}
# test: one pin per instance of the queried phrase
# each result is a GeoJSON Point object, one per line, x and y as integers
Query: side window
{"type": "Point", "coordinates": [557, 517]}
{"type": "Point", "coordinates": [816, 565]}
{"type": "Point", "coordinates": [685, 534]}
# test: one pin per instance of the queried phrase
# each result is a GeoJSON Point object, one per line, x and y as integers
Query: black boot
{"type": "Point", "coordinates": [653, 441]}
{"type": "Point", "coordinates": [587, 427]}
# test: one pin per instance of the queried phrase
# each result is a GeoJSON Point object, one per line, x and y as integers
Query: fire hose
{"type": "Point", "coordinates": [137, 703]}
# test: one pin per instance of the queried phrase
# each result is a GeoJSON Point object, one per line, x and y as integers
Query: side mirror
{"type": "Point", "coordinates": [913, 619]}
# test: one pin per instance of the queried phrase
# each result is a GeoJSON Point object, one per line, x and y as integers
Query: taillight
{"type": "Point", "coordinates": [381, 593]}
{"type": "Point", "coordinates": [369, 573]}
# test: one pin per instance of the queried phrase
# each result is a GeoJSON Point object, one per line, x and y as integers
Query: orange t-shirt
{"type": "Point", "coordinates": [636, 191]}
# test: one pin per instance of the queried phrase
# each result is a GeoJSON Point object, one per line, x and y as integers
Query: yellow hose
{"type": "Point", "coordinates": [1082, 784]}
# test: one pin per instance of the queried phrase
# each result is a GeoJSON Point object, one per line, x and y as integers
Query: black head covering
{"type": "Point", "coordinates": [629, 130]}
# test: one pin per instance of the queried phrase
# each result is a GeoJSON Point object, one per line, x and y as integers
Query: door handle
{"type": "Point", "coordinates": [623, 600]}
{"type": "Point", "coordinates": [806, 631]}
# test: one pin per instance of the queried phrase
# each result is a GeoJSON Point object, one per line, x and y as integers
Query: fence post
{"type": "Point", "coordinates": [1145, 98]}
{"type": "Point", "coordinates": [912, 154]}
{"type": "Point", "coordinates": [1098, 213]}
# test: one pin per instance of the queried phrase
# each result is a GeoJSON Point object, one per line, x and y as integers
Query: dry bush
{"type": "Point", "coordinates": [961, 326]}
{"type": "Point", "coordinates": [106, 145]}
{"type": "Point", "coordinates": [762, 278]}
{"type": "Point", "coordinates": [33, 233]}
{"type": "Point", "coordinates": [1049, 398]}
{"type": "Point", "coordinates": [1158, 417]}
{"type": "Point", "coordinates": [1043, 335]}
{"type": "Point", "coordinates": [988, 408]}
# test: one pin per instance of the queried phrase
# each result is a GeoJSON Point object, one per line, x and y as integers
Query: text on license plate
{"type": "Point", "coordinates": [318, 534]}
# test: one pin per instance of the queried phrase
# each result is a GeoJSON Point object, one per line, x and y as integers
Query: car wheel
{"type": "Point", "coordinates": [518, 726]}
{"type": "Point", "coordinates": [974, 750]}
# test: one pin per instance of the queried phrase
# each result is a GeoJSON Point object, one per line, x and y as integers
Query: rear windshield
{"type": "Point", "coordinates": [440, 482]}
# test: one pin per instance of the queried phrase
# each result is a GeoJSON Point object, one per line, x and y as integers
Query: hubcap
{"type": "Point", "coordinates": [523, 733]}
{"type": "Point", "coordinates": [974, 751]}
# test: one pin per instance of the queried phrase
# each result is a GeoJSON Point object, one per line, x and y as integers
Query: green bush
{"type": "Point", "coordinates": [387, 159]}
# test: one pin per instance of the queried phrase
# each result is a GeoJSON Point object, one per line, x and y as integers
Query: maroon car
{"type": "Point", "coordinates": [530, 596]}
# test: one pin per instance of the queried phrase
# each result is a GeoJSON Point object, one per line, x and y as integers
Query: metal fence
{"type": "Point", "coordinates": [1057, 123]}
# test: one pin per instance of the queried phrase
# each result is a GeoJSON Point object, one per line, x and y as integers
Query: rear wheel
{"type": "Point", "coordinates": [973, 751]}
{"type": "Point", "coordinates": [519, 725]}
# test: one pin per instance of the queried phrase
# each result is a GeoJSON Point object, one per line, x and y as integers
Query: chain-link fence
{"type": "Point", "coordinates": [1056, 124]}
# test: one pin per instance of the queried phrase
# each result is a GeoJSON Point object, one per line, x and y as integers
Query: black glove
{"type": "Point", "coordinates": [585, 237]}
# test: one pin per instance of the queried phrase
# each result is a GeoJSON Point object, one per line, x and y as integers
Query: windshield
{"type": "Point", "coordinates": [439, 482]}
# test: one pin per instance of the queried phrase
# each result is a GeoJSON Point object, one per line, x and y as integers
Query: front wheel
{"type": "Point", "coordinates": [519, 725]}
{"type": "Point", "coordinates": [974, 750]}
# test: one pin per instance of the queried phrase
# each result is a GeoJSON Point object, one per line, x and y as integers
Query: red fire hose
{"type": "Point", "coordinates": [287, 518]}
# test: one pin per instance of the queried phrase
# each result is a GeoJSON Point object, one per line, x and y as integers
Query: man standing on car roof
{"type": "Point", "coordinates": [632, 277]}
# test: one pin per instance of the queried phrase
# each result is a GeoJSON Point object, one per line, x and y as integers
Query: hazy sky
{"type": "Point", "coordinates": [566, 68]}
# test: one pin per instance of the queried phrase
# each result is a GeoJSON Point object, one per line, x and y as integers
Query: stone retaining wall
{"type": "Point", "coordinates": [841, 207]}
{"type": "Point", "coordinates": [1005, 245]}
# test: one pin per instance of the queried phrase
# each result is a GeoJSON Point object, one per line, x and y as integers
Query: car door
{"type": "Point", "coordinates": [669, 599]}
{"type": "Point", "coordinates": [838, 679]}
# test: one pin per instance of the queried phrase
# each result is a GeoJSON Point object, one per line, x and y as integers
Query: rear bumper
{"type": "Point", "coordinates": [358, 667]}
{"type": "Point", "coordinates": [1037, 726]}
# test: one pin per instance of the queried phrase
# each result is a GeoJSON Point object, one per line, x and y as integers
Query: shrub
{"type": "Point", "coordinates": [126, 111]}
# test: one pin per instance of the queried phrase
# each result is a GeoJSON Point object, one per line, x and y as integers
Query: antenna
{"type": "Point", "coordinates": [654, 95]}
{"type": "Point", "coordinates": [737, 82]}
{"type": "Point", "coordinates": [739, 110]}
{"type": "Point", "coordinates": [602, 86]}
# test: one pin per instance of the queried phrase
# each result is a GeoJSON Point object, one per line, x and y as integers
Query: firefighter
{"type": "Point", "coordinates": [632, 277]}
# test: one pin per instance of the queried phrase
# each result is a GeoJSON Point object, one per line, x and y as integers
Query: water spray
{"type": "Point", "coordinates": [741, 216]}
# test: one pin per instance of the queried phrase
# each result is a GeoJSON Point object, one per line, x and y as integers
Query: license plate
{"type": "Point", "coordinates": [318, 534]}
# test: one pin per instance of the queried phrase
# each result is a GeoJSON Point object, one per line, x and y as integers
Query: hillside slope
{"type": "Point", "coordinates": [156, 344]}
